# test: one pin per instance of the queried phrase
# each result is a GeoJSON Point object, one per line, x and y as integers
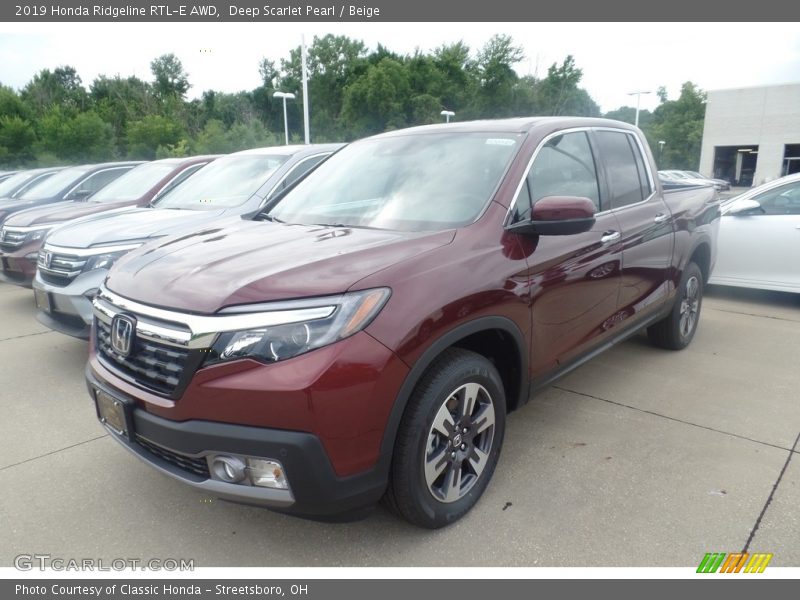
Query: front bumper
{"type": "Point", "coordinates": [315, 489]}
{"type": "Point", "coordinates": [16, 269]}
{"type": "Point", "coordinates": [71, 305]}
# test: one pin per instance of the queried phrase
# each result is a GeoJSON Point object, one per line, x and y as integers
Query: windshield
{"type": "Point", "coordinates": [228, 181]}
{"type": "Point", "coordinates": [10, 185]}
{"type": "Point", "coordinates": [416, 182]}
{"type": "Point", "coordinates": [55, 184]}
{"type": "Point", "coordinates": [135, 183]}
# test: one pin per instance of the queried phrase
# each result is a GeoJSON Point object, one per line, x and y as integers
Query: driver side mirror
{"type": "Point", "coordinates": [746, 207]}
{"type": "Point", "coordinates": [558, 215]}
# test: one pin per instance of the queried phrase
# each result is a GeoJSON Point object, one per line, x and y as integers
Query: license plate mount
{"type": "Point", "coordinates": [113, 413]}
{"type": "Point", "coordinates": [42, 300]}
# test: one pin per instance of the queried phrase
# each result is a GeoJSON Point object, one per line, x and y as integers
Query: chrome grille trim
{"type": "Point", "coordinates": [185, 330]}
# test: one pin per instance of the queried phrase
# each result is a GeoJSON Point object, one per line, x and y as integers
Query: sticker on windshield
{"type": "Point", "coordinates": [500, 142]}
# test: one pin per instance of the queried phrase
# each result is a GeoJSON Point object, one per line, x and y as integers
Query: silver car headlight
{"type": "Point", "coordinates": [106, 259]}
{"type": "Point", "coordinates": [342, 317]}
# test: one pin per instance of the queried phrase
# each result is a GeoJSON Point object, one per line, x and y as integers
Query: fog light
{"type": "Point", "coordinates": [227, 468]}
{"type": "Point", "coordinates": [267, 473]}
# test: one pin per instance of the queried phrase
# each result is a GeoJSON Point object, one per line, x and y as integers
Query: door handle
{"type": "Point", "coordinates": [661, 217]}
{"type": "Point", "coordinates": [610, 236]}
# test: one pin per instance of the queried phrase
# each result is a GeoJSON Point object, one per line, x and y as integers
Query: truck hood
{"type": "Point", "coordinates": [60, 212]}
{"type": "Point", "coordinates": [130, 224]}
{"type": "Point", "coordinates": [248, 262]}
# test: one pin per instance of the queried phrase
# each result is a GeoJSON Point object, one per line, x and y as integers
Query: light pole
{"type": "Point", "coordinates": [447, 114]}
{"type": "Point", "coordinates": [285, 96]}
{"type": "Point", "coordinates": [638, 98]}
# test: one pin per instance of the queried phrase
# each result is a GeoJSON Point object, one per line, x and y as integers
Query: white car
{"type": "Point", "coordinates": [759, 238]}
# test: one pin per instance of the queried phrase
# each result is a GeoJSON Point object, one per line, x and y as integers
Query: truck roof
{"type": "Point", "coordinates": [515, 125]}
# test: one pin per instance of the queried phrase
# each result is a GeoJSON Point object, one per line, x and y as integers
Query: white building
{"type": "Point", "coordinates": [752, 135]}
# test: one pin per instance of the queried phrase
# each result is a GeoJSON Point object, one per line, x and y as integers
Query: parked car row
{"type": "Point", "coordinates": [78, 192]}
{"type": "Point", "coordinates": [76, 258]}
{"type": "Point", "coordinates": [314, 328]}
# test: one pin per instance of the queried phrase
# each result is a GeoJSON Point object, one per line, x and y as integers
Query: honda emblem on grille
{"type": "Point", "coordinates": [122, 328]}
{"type": "Point", "coordinates": [48, 258]}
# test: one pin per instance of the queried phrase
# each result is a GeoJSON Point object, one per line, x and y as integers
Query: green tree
{"type": "Point", "coordinates": [17, 137]}
{"type": "Point", "coordinates": [61, 87]}
{"type": "Point", "coordinates": [559, 93]}
{"type": "Point", "coordinates": [496, 78]}
{"type": "Point", "coordinates": [627, 114]}
{"type": "Point", "coordinates": [679, 123]}
{"type": "Point", "coordinates": [84, 137]}
{"type": "Point", "coordinates": [119, 101]}
{"type": "Point", "coordinates": [376, 101]}
{"type": "Point", "coordinates": [334, 63]}
{"type": "Point", "coordinates": [148, 133]}
{"type": "Point", "coordinates": [11, 105]}
{"type": "Point", "coordinates": [169, 77]}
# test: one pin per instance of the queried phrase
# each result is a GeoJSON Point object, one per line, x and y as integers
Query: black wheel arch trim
{"type": "Point", "coordinates": [451, 338]}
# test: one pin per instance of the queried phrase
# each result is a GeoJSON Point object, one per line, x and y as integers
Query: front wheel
{"type": "Point", "coordinates": [449, 440]}
{"type": "Point", "coordinates": [676, 331]}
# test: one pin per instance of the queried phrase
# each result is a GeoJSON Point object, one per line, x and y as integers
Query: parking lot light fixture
{"type": "Point", "coordinates": [285, 96]}
{"type": "Point", "coordinates": [638, 98]}
{"type": "Point", "coordinates": [447, 114]}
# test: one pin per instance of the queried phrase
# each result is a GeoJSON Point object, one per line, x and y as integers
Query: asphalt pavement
{"type": "Point", "coordinates": [642, 457]}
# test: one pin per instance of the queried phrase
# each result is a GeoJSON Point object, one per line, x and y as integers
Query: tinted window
{"type": "Point", "coordinates": [410, 182]}
{"type": "Point", "coordinates": [96, 182]}
{"type": "Point", "coordinates": [644, 180]}
{"type": "Point", "coordinates": [301, 169]}
{"type": "Point", "coordinates": [784, 200]}
{"type": "Point", "coordinates": [565, 167]}
{"type": "Point", "coordinates": [621, 166]}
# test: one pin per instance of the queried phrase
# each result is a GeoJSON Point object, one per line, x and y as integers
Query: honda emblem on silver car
{"type": "Point", "coordinates": [48, 258]}
{"type": "Point", "coordinates": [122, 328]}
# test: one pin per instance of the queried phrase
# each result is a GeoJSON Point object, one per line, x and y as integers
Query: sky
{"type": "Point", "coordinates": [616, 58]}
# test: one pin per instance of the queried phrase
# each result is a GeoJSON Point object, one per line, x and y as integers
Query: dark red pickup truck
{"type": "Point", "coordinates": [365, 335]}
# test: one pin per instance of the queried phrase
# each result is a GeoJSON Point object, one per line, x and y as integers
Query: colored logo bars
{"type": "Point", "coordinates": [734, 563]}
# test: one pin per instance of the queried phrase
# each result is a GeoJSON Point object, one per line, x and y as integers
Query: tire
{"type": "Point", "coordinates": [676, 331]}
{"type": "Point", "coordinates": [439, 472]}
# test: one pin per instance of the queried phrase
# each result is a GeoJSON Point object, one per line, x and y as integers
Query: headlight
{"type": "Point", "coordinates": [38, 234]}
{"type": "Point", "coordinates": [349, 314]}
{"type": "Point", "coordinates": [105, 260]}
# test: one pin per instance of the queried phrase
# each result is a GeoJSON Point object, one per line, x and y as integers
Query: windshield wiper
{"type": "Point", "coordinates": [269, 217]}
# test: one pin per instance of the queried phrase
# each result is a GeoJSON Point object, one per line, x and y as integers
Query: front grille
{"type": "Point", "coordinates": [198, 466]}
{"type": "Point", "coordinates": [59, 269]}
{"type": "Point", "coordinates": [10, 239]}
{"type": "Point", "coordinates": [151, 364]}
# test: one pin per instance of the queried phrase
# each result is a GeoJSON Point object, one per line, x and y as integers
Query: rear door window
{"type": "Point", "coordinates": [627, 176]}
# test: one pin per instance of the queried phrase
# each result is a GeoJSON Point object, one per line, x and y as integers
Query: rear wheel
{"type": "Point", "coordinates": [676, 331]}
{"type": "Point", "coordinates": [449, 440]}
